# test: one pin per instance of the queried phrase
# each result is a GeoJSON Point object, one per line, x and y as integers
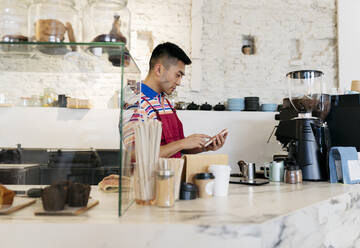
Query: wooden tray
{"type": "Point", "coordinates": [19, 203]}
{"type": "Point", "coordinates": [68, 211]}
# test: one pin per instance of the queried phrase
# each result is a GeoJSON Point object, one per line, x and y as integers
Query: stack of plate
{"type": "Point", "coordinates": [236, 104]}
{"type": "Point", "coordinates": [269, 107]}
{"type": "Point", "coordinates": [252, 103]}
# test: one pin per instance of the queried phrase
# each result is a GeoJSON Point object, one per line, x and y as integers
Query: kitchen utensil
{"type": "Point", "coordinates": [32, 193]}
{"type": "Point", "coordinates": [176, 165]}
{"type": "Point", "coordinates": [236, 104]}
{"type": "Point", "coordinates": [188, 191]}
{"type": "Point", "coordinates": [165, 188]}
{"type": "Point", "coordinates": [247, 170]}
{"type": "Point", "coordinates": [206, 106]}
{"type": "Point", "coordinates": [180, 105]}
{"type": "Point", "coordinates": [192, 106]}
{"type": "Point", "coordinates": [219, 107]}
{"type": "Point", "coordinates": [276, 173]}
{"type": "Point", "coordinates": [293, 173]}
{"type": "Point", "coordinates": [222, 178]}
{"type": "Point", "coordinates": [269, 107]}
{"type": "Point", "coordinates": [252, 103]}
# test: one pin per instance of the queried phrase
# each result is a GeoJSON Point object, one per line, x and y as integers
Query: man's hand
{"type": "Point", "coordinates": [218, 142]}
{"type": "Point", "coordinates": [195, 141]}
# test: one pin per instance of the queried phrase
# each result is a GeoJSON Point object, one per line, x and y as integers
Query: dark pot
{"type": "Point", "coordinates": [206, 106]}
{"type": "Point", "coordinates": [192, 106]}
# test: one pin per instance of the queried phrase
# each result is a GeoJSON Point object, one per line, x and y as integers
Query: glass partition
{"type": "Point", "coordinates": [65, 111]}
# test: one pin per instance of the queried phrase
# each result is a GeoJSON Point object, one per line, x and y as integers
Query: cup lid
{"type": "Point", "coordinates": [203, 176]}
{"type": "Point", "coordinates": [188, 187]}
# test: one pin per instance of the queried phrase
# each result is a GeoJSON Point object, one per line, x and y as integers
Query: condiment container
{"type": "Point", "coordinates": [293, 174]}
{"type": "Point", "coordinates": [14, 20]}
{"type": "Point", "coordinates": [54, 21]}
{"type": "Point", "coordinates": [165, 188]}
{"type": "Point", "coordinates": [107, 21]}
{"type": "Point", "coordinates": [188, 191]}
{"type": "Point", "coordinates": [205, 184]}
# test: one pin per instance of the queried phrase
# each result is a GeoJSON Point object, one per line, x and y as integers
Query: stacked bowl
{"type": "Point", "coordinates": [269, 107]}
{"type": "Point", "coordinates": [252, 103]}
{"type": "Point", "coordinates": [236, 104]}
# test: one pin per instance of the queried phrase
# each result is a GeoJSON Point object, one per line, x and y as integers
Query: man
{"type": "Point", "coordinates": [167, 67]}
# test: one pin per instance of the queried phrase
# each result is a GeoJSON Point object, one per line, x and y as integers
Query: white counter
{"type": "Point", "coordinates": [98, 128]}
{"type": "Point", "coordinates": [275, 215]}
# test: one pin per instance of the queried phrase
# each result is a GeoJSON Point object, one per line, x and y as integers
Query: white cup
{"type": "Point", "coordinates": [222, 178]}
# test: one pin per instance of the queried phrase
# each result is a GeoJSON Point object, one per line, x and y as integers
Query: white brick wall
{"type": "Point", "coordinates": [287, 34]}
{"type": "Point", "coordinates": [276, 25]}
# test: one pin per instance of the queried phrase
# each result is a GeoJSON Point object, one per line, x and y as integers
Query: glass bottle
{"type": "Point", "coordinates": [165, 188]}
{"type": "Point", "coordinates": [54, 21]}
{"type": "Point", "coordinates": [14, 20]}
{"type": "Point", "coordinates": [107, 21]}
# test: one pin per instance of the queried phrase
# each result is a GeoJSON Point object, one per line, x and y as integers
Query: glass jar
{"type": "Point", "coordinates": [14, 20]}
{"type": "Point", "coordinates": [165, 188]}
{"type": "Point", "coordinates": [107, 21]}
{"type": "Point", "coordinates": [54, 21]}
{"type": "Point", "coordinates": [293, 175]}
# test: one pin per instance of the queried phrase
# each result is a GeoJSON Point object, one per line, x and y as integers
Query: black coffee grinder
{"type": "Point", "coordinates": [302, 130]}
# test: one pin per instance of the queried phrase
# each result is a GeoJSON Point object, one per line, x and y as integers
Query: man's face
{"type": "Point", "coordinates": [171, 78]}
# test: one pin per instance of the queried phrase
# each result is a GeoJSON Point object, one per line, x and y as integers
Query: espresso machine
{"type": "Point", "coordinates": [302, 129]}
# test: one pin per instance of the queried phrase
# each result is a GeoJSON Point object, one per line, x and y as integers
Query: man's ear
{"type": "Point", "coordinates": [158, 69]}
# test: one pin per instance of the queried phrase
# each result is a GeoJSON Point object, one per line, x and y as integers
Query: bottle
{"type": "Point", "coordinates": [165, 188]}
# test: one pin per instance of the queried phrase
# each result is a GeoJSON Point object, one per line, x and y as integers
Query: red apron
{"type": "Point", "coordinates": [172, 128]}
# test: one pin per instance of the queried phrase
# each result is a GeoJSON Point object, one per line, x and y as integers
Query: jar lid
{"type": "Point", "coordinates": [189, 187]}
{"type": "Point", "coordinates": [293, 167]}
{"type": "Point", "coordinates": [203, 176]}
{"type": "Point", "coordinates": [165, 173]}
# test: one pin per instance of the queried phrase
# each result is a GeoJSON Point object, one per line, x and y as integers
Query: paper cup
{"type": "Point", "coordinates": [222, 178]}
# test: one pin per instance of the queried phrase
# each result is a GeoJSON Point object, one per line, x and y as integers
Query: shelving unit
{"type": "Point", "coordinates": [99, 71]}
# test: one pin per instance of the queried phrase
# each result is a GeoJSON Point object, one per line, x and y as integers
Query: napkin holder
{"type": "Point", "coordinates": [344, 165]}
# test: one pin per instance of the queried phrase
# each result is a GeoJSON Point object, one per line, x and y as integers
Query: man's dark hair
{"type": "Point", "coordinates": [169, 53]}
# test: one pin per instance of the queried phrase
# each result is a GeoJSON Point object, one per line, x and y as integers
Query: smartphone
{"type": "Point", "coordinates": [223, 133]}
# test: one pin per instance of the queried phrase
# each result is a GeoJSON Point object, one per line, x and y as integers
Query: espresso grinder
{"type": "Point", "coordinates": [302, 130]}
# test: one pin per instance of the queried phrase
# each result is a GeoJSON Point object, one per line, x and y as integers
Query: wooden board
{"type": "Point", "coordinates": [68, 211]}
{"type": "Point", "coordinates": [19, 203]}
{"type": "Point", "coordinates": [6, 105]}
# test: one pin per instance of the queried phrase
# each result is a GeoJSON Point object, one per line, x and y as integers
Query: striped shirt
{"type": "Point", "coordinates": [149, 101]}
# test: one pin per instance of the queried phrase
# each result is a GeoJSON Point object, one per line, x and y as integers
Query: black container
{"type": "Point", "coordinates": [206, 106]}
{"type": "Point", "coordinates": [192, 106]}
{"type": "Point", "coordinates": [204, 176]}
{"type": "Point", "coordinates": [62, 100]}
{"type": "Point", "coordinates": [188, 191]}
{"type": "Point", "coordinates": [219, 107]}
{"type": "Point", "coordinates": [252, 103]}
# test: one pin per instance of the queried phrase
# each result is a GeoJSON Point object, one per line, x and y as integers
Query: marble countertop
{"type": "Point", "coordinates": [274, 215]}
{"type": "Point", "coordinates": [243, 205]}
